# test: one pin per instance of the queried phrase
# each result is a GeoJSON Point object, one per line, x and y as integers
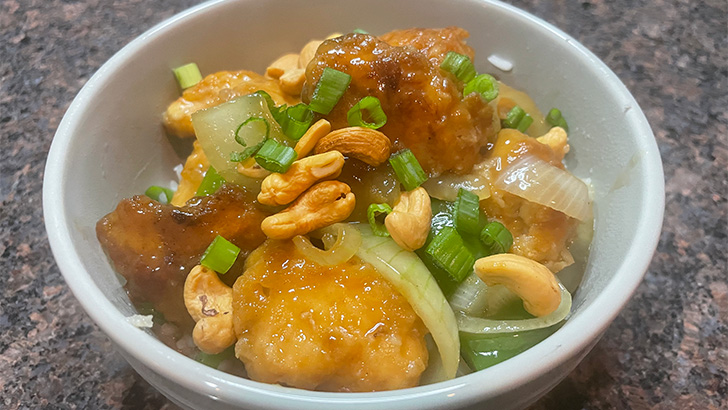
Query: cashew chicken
{"type": "Point", "coordinates": [210, 303]}
{"type": "Point", "coordinates": [528, 279]}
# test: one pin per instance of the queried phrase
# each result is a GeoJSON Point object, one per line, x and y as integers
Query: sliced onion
{"type": "Point", "coordinates": [535, 180]}
{"type": "Point", "coordinates": [470, 296]}
{"type": "Point", "coordinates": [409, 275]}
{"type": "Point", "coordinates": [446, 186]}
{"type": "Point", "coordinates": [472, 324]}
{"type": "Point", "coordinates": [341, 241]}
{"type": "Point", "coordinates": [474, 298]}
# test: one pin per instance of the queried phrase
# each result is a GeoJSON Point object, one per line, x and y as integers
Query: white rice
{"type": "Point", "coordinates": [500, 63]}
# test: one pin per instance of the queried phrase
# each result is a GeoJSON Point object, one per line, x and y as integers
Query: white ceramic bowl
{"type": "Point", "coordinates": [111, 145]}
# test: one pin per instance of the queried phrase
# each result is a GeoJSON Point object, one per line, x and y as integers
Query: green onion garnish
{"type": "Point", "coordinates": [373, 109]}
{"type": "Point", "coordinates": [485, 85]}
{"type": "Point", "coordinates": [248, 121]}
{"type": "Point", "coordinates": [210, 183]}
{"type": "Point", "coordinates": [448, 251]}
{"type": "Point", "coordinates": [220, 255]}
{"type": "Point", "coordinates": [467, 213]}
{"type": "Point", "coordinates": [555, 119]}
{"type": "Point", "coordinates": [518, 119]}
{"type": "Point", "coordinates": [187, 75]}
{"type": "Point", "coordinates": [375, 210]}
{"type": "Point", "coordinates": [359, 31]}
{"type": "Point", "coordinates": [214, 360]}
{"type": "Point", "coordinates": [525, 122]}
{"type": "Point", "coordinates": [159, 194]}
{"type": "Point", "coordinates": [408, 169]}
{"type": "Point", "coordinates": [275, 157]}
{"type": "Point", "coordinates": [496, 238]}
{"type": "Point", "coordinates": [240, 156]}
{"type": "Point", "coordinates": [459, 65]}
{"type": "Point", "coordinates": [329, 90]}
{"type": "Point", "coordinates": [295, 120]}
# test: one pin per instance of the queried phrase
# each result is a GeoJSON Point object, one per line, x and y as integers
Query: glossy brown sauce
{"type": "Point", "coordinates": [154, 246]}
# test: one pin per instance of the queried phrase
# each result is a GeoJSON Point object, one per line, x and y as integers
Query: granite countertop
{"type": "Point", "coordinates": [667, 349]}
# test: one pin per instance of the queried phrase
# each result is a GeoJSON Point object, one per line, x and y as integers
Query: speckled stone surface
{"type": "Point", "coordinates": [667, 349]}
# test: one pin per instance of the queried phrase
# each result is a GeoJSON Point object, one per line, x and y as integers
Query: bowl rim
{"type": "Point", "coordinates": [576, 337]}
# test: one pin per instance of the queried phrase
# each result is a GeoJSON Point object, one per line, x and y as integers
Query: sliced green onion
{"type": "Point", "coordinates": [496, 238]}
{"type": "Point", "coordinates": [329, 90]}
{"type": "Point", "coordinates": [375, 210]}
{"type": "Point", "coordinates": [485, 85]}
{"type": "Point", "coordinates": [275, 157]}
{"type": "Point", "coordinates": [459, 65]}
{"type": "Point", "coordinates": [555, 119]}
{"type": "Point", "coordinates": [159, 194]}
{"type": "Point", "coordinates": [448, 251]}
{"type": "Point", "coordinates": [408, 169]}
{"type": "Point", "coordinates": [248, 121]}
{"type": "Point", "coordinates": [359, 31]}
{"type": "Point", "coordinates": [467, 213]}
{"type": "Point", "coordinates": [210, 182]}
{"type": "Point", "coordinates": [220, 255]}
{"type": "Point", "coordinates": [525, 122]}
{"type": "Point", "coordinates": [514, 116]}
{"type": "Point", "coordinates": [295, 120]}
{"type": "Point", "coordinates": [373, 109]}
{"type": "Point", "coordinates": [187, 75]}
{"type": "Point", "coordinates": [214, 360]}
{"type": "Point", "coordinates": [240, 156]}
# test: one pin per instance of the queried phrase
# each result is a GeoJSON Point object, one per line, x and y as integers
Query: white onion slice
{"type": "Point", "coordinates": [346, 243]}
{"type": "Point", "coordinates": [535, 180]}
{"type": "Point", "coordinates": [446, 186]}
{"type": "Point", "coordinates": [409, 275]}
{"type": "Point", "coordinates": [479, 325]}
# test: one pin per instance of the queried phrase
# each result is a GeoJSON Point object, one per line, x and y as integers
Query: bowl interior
{"type": "Point", "coordinates": [111, 144]}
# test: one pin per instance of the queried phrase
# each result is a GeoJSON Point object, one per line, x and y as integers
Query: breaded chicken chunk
{"type": "Point", "coordinates": [539, 232]}
{"type": "Point", "coordinates": [339, 328]}
{"type": "Point", "coordinates": [154, 246]}
{"type": "Point", "coordinates": [425, 107]}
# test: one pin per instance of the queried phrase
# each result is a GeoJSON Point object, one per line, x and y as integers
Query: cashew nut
{"type": "Point", "coordinates": [409, 221]}
{"type": "Point", "coordinates": [281, 189]}
{"type": "Point", "coordinates": [364, 144]}
{"type": "Point", "coordinates": [322, 205]}
{"type": "Point", "coordinates": [528, 279]}
{"type": "Point", "coordinates": [210, 303]}
{"type": "Point", "coordinates": [307, 53]}
{"type": "Point", "coordinates": [314, 133]}
{"type": "Point", "coordinates": [282, 65]}
{"type": "Point", "coordinates": [556, 138]}
{"type": "Point", "coordinates": [291, 81]}
{"type": "Point", "coordinates": [252, 169]}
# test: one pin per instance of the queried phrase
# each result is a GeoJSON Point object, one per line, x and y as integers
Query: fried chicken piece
{"type": "Point", "coordinates": [191, 176]}
{"type": "Point", "coordinates": [154, 246]}
{"type": "Point", "coordinates": [425, 107]}
{"type": "Point", "coordinates": [539, 232]}
{"type": "Point", "coordinates": [216, 89]}
{"type": "Point", "coordinates": [432, 42]}
{"type": "Point", "coordinates": [339, 328]}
